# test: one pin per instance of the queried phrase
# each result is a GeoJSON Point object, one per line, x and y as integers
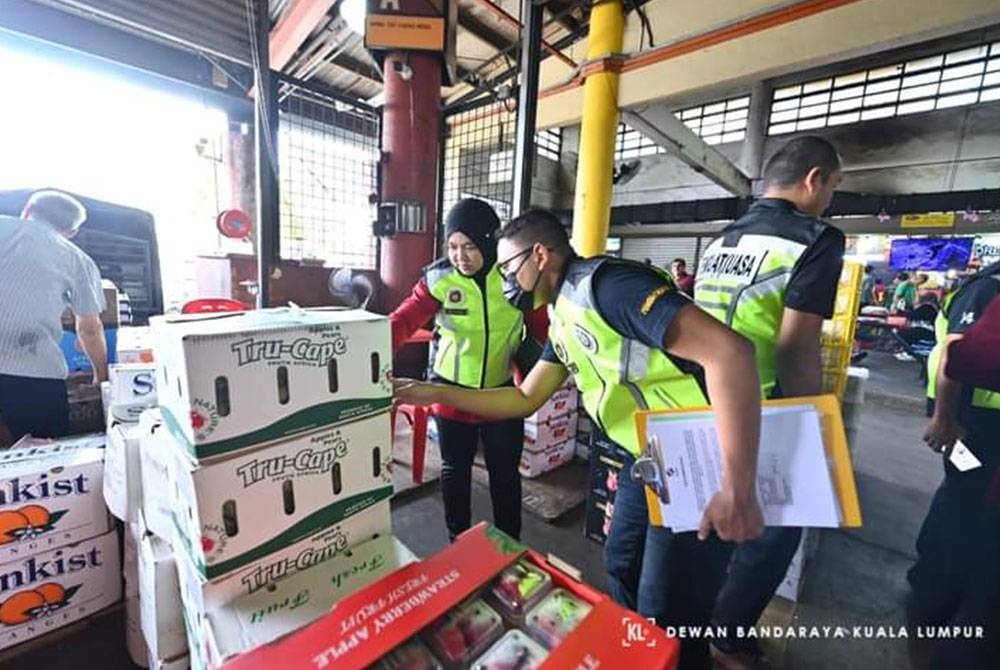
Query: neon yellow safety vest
{"type": "Point", "coordinates": [616, 375]}
{"type": "Point", "coordinates": [477, 333]}
{"type": "Point", "coordinates": [980, 397]}
{"type": "Point", "coordinates": [742, 279]}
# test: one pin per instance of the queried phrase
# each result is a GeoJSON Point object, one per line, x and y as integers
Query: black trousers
{"type": "Point", "coordinates": [29, 405]}
{"type": "Point", "coordinates": [502, 444]}
{"type": "Point", "coordinates": [956, 578]}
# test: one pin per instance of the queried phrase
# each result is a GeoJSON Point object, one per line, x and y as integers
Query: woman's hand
{"type": "Point", "coordinates": [413, 392]}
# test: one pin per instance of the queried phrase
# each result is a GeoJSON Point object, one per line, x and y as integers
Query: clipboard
{"type": "Point", "coordinates": [834, 444]}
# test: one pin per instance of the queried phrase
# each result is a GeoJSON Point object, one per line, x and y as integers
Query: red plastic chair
{"type": "Point", "coordinates": [209, 305]}
{"type": "Point", "coordinates": [416, 415]}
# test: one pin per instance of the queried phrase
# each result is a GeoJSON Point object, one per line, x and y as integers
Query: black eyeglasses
{"type": "Point", "coordinates": [505, 272]}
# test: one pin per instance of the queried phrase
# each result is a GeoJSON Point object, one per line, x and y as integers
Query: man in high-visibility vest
{"type": "Point", "coordinates": [772, 276]}
{"type": "Point", "coordinates": [956, 578]}
{"type": "Point", "coordinates": [622, 329]}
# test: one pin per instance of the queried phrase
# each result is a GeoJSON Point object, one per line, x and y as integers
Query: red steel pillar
{"type": "Point", "coordinates": [411, 129]}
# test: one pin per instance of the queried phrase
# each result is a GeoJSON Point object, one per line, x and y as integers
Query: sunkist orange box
{"type": "Point", "coordinates": [48, 590]}
{"type": "Point", "coordinates": [368, 624]}
{"type": "Point", "coordinates": [50, 495]}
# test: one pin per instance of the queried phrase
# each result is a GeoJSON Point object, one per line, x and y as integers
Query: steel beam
{"type": "Point", "coordinates": [527, 104]}
{"type": "Point", "coordinates": [845, 204]}
{"type": "Point", "coordinates": [266, 151]}
{"type": "Point", "coordinates": [663, 127]}
{"type": "Point", "coordinates": [293, 28]}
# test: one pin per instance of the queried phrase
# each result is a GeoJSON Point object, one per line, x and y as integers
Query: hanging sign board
{"type": "Point", "coordinates": [414, 25]}
{"type": "Point", "coordinates": [422, 33]}
{"type": "Point", "coordinates": [938, 220]}
{"type": "Point", "coordinates": [406, 24]}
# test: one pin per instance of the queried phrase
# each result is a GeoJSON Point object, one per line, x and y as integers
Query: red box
{"type": "Point", "coordinates": [368, 624]}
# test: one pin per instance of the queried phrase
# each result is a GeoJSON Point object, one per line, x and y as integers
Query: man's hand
{"type": "Point", "coordinates": [733, 520]}
{"type": "Point", "coordinates": [413, 392]}
{"type": "Point", "coordinates": [942, 433]}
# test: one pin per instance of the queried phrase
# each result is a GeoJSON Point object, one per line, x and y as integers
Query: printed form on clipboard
{"type": "Point", "coordinates": [804, 472]}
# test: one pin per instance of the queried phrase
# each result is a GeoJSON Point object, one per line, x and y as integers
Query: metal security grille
{"type": "Point", "coordinates": [479, 156]}
{"type": "Point", "coordinates": [953, 79]}
{"type": "Point", "coordinates": [328, 153]}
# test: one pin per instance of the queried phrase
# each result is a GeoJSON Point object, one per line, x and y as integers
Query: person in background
{"type": "Point", "coordinates": [41, 274]}
{"type": "Point", "coordinates": [868, 287]}
{"type": "Point", "coordinates": [879, 293]}
{"type": "Point", "coordinates": [684, 281]}
{"type": "Point", "coordinates": [772, 277]}
{"type": "Point", "coordinates": [478, 334]}
{"type": "Point", "coordinates": [956, 578]}
{"type": "Point", "coordinates": [905, 296]}
{"type": "Point", "coordinates": [611, 318]}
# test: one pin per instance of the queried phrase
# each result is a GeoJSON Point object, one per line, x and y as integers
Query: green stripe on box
{"type": "Point", "coordinates": [315, 522]}
{"type": "Point", "coordinates": [303, 421]}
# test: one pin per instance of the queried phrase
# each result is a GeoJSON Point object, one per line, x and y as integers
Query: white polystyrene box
{"type": "Point", "coordinates": [122, 474]}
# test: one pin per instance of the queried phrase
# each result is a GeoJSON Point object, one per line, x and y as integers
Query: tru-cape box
{"type": "Point", "coordinates": [230, 512]}
{"type": "Point", "coordinates": [226, 382]}
{"type": "Point", "coordinates": [200, 595]}
{"type": "Point", "coordinates": [50, 496]}
{"type": "Point", "coordinates": [296, 601]}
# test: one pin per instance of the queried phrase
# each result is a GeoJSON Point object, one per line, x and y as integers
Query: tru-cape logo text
{"type": "Point", "coordinates": [252, 350]}
{"type": "Point", "coordinates": [306, 461]}
{"type": "Point", "coordinates": [266, 573]}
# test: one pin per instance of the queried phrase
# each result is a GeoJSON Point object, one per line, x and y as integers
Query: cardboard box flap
{"type": "Point", "coordinates": [44, 459]}
{"type": "Point", "coordinates": [230, 323]}
{"type": "Point", "coordinates": [28, 447]}
{"type": "Point", "coordinates": [301, 598]}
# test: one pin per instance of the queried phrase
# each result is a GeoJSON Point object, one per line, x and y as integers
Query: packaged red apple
{"type": "Point", "coordinates": [464, 633]}
{"type": "Point", "coordinates": [519, 588]}
{"type": "Point", "coordinates": [556, 617]}
{"type": "Point", "coordinates": [514, 651]}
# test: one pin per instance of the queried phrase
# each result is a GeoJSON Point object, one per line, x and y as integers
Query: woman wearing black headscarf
{"type": "Point", "coordinates": [478, 334]}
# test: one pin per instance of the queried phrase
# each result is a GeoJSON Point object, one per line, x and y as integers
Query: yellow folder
{"type": "Point", "coordinates": [834, 442]}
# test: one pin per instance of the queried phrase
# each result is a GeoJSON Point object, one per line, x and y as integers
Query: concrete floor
{"type": "Point", "coordinates": [855, 579]}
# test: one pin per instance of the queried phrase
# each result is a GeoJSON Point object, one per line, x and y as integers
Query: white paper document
{"type": "Point", "coordinates": [794, 483]}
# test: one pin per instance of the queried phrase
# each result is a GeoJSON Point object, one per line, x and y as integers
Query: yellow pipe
{"type": "Point", "coordinates": [592, 206]}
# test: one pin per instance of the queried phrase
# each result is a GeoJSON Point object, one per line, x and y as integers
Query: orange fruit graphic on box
{"type": "Point", "coordinates": [30, 604]}
{"type": "Point", "coordinates": [27, 522]}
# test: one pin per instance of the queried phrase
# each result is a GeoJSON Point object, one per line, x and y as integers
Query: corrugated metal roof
{"type": "Point", "coordinates": [221, 27]}
{"type": "Point", "coordinates": [216, 26]}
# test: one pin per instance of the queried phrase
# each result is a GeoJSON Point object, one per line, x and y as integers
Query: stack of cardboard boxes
{"type": "Point", "coordinates": [276, 444]}
{"type": "Point", "coordinates": [58, 550]}
{"type": "Point", "coordinates": [550, 433]}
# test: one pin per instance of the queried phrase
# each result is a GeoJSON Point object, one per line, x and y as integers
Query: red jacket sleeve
{"type": "Point", "coordinates": [412, 314]}
{"type": "Point", "coordinates": [537, 323]}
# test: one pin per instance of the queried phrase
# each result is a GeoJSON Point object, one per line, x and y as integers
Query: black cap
{"type": "Point", "coordinates": [478, 222]}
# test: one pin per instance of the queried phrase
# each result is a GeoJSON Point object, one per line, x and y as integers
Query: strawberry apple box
{"type": "Point", "coordinates": [481, 602]}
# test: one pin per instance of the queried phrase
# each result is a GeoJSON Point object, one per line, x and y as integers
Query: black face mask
{"type": "Point", "coordinates": [519, 297]}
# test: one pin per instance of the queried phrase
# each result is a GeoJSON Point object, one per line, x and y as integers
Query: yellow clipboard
{"type": "Point", "coordinates": [834, 442]}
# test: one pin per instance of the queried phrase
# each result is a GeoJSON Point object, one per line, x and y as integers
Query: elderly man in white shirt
{"type": "Point", "coordinates": [41, 274]}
